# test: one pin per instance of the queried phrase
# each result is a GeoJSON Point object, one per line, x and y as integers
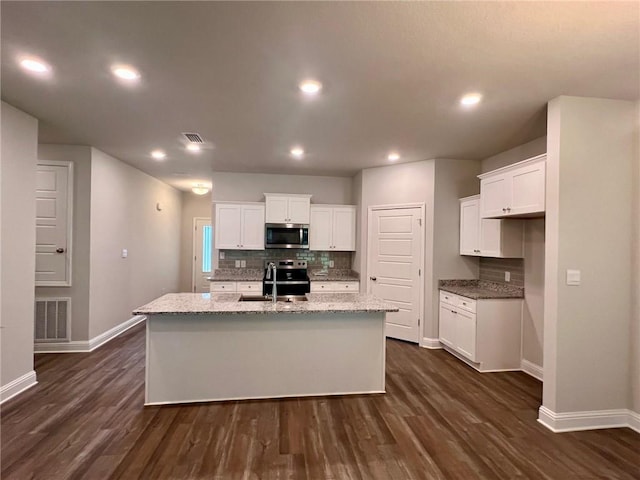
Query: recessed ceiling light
{"type": "Point", "coordinates": [158, 154]}
{"type": "Point", "coordinates": [310, 87]}
{"type": "Point", "coordinates": [470, 99]}
{"type": "Point", "coordinates": [297, 152]}
{"type": "Point", "coordinates": [192, 147]}
{"type": "Point", "coordinates": [393, 156]}
{"type": "Point", "coordinates": [125, 72]}
{"type": "Point", "coordinates": [34, 65]}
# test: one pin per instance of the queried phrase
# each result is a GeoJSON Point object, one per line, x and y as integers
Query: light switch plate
{"type": "Point", "coordinates": [237, 263]}
{"type": "Point", "coordinates": [331, 263]}
{"type": "Point", "coordinates": [221, 255]}
{"type": "Point", "coordinates": [573, 277]}
{"type": "Point", "coordinates": [507, 276]}
{"type": "Point", "coordinates": [243, 263]}
{"type": "Point", "coordinates": [125, 253]}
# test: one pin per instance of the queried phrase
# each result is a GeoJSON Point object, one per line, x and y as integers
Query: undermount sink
{"type": "Point", "coordinates": [263, 298]}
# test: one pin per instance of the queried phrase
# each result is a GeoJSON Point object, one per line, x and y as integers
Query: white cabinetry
{"type": "Point", "coordinates": [486, 237]}
{"type": "Point", "coordinates": [515, 190]}
{"type": "Point", "coordinates": [334, 287]}
{"type": "Point", "coordinates": [332, 227]}
{"type": "Point", "coordinates": [245, 287]}
{"type": "Point", "coordinates": [484, 332]}
{"type": "Point", "coordinates": [239, 226]}
{"type": "Point", "coordinates": [283, 208]}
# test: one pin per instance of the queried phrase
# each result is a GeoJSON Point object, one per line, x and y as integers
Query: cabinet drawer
{"type": "Point", "coordinates": [249, 286]}
{"type": "Point", "coordinates": [346, 286]}
{"type": "Point", "coordinates": [223, 287]}
{"type": "Point", "coordinates": [322, 287]}
{"type": "Point", "coordinates": [448, 298]}
{"type": "Point", "coordinates": [467, 304]}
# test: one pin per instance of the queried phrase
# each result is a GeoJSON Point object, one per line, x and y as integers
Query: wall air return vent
{"type": "Point", "coordinates": [52, 319]}
{"type": "Point", "coordinates": [193, 137]}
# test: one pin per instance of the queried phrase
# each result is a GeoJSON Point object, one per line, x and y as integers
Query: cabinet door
{"type": "Point", "coordinates": [228, 227]}
{"type": "Point", "coordinates": [447, 325]}
{"type": "Point", "coordinates": [252, 227]}
{"type": "Point", "coordinates": [494, 196]}
{"type": "Point", "coordinates": [320, 228]}
{"type": "Point", "coordinates": [344, 229]}
{"type": "Point", "coordinates": [298, 210]}
{"type": "Point", "coordinates": [466, 334]}
{"type": "Point", "coordinates": [469, 227]}
{"type": "Point", "coordinates": [490, 237]}
{"type": "Point", "coordinates": [528, 189]}
{"type": "Point", "coordinates": [276, 209]}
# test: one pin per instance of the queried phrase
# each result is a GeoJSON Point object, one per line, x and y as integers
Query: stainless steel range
{"type": "Point", "coordinates": [291, 278]}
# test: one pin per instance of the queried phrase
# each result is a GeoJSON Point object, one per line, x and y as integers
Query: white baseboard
{"type": "Point", "coordinates": [88, 345]}
{"type": "Point", "coordinates": [532, 369]}
{"type": "Point", "coordinates": [17, 386]}
{"type": "Point", "coordinates": [430, 343]}
{"type": "Point", "coordinates": [589, 420]}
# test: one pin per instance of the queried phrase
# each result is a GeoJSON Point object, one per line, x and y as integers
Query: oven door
{"type": "Point", "coordinates": [286, 287]}
{"type": "Point", "coordinates": [286, 235]}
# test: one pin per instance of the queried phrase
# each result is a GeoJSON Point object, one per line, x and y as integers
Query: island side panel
{"type": "Point", "coordinates": [194, 358]}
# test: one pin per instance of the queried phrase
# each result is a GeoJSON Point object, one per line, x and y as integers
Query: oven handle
{"type": "Point", "coordinates": [286, 282]}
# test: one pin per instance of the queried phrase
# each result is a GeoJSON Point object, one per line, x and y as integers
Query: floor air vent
{"type": "Point", "coordinates": [52, 318]}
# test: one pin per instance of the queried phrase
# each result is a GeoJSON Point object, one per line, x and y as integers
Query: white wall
{"type": "Point", "coordinates": [635, 320]}
{"type": "Point", "coordinates": [250, 187]}
{"type": "Point", "coordinates": [18, 155]}
{"type": "Point", "coordinates": [533, 308]}
{"type": "Point", "coordinates": [590, 146]}
{"type": "Point", "coordinates": [439, 184]}
{"type": "Point", "coordinates": [79, 290]}
{"type": "Point", "coordinates": [192, 206]}
{"type": "Point", "coordinates": [124, 216]}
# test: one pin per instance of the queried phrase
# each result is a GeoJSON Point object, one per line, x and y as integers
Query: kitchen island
{"type": "Point", "coordinates": [209, 347]}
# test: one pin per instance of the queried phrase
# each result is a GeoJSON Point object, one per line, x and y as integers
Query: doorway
{"type": "Point", "coordinates": [395, 265]}
{"type": "Point", "coordinates": [202, 251]}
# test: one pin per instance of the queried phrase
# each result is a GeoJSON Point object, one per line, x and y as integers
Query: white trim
{"type": "Point", "coordinates": [69, 246]}
{"type": "Point", "coordinates": [193, 249]}
{"type": "Point", "coordinates": [474, 365]}
{"type": "Point", "coordinates": [530, 368]}
{"type": "Point", "coordinates": [421, 260]}
{"type": "Point", "coordinates": [513, 166]}
{"type": "Point", "coordinates": [431, 343]}
{"type": "Point", "coordinates": [17, 386]}
{"type": "Point", "coordinates": [90, 345]}
{"type": "Point", "coordinates": [588, 420]}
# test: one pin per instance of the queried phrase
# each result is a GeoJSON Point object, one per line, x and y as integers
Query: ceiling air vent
{"type": "Point", "coordinates": [193, 137]}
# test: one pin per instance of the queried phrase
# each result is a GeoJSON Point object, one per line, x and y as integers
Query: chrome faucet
{"type": "Point", "coordinates": [274, 289]}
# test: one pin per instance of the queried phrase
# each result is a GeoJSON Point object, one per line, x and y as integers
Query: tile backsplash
{"type": "Point", "coordinates": [492, 269]}
{"type": "Point", "coordinates": [315, 260]}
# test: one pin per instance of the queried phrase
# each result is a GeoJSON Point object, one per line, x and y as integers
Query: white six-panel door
{"type": "Point", "coordinates": [394, 265]}
{"type": "Point", "coordinates": [54, 191]}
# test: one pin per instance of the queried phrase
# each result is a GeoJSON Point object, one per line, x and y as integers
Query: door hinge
{"type": "Point", "coordinates": [419, 272]}
{"type": "Point", "coordinates": [420, 221]}
{"type": "Point", "coordinates": [418, 322]}
{"type": "Point", "coordinates": [195, 259]}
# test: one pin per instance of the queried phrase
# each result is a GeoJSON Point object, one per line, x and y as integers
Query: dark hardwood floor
{"type": "Point", "coordinates": [438, 420]}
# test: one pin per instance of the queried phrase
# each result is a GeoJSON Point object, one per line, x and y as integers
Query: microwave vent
{"type": "Point", "coordinates": [193, 137]}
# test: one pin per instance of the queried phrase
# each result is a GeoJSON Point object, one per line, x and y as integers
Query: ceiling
{"type": "Point", "coordinates": [393, 74]}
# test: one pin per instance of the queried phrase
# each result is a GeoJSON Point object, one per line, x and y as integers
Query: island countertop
{"type": "Point", "coordinates": [227, 303]}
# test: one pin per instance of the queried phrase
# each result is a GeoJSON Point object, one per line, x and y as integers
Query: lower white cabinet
{"type": "Point", "coordinates": [334, 287]}
{"type": "Point", "coordinates": [486, 332]}
{"type": "Point", "coordinates": [245, 287]}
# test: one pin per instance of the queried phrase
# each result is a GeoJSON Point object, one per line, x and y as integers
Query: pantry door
{"type": "Point", "coordinates": [202, 251]}
{"type": "Point", "coordinates": [395, 265]}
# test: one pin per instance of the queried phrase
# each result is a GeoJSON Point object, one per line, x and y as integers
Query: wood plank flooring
{"type": "Point", "coordinates": [438, 420]}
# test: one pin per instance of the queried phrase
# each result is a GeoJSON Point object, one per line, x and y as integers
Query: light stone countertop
{"type": "Point", "coordinates": [481, 289]}
{"type": "Point", "coordinates": [255, 275]}
{"type": "Point", "coordinates": [227, 303]}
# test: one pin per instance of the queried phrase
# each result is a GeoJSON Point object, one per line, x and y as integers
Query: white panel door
{"type": "Point", "coordinates": [228, 227]}
{"type": "Point", "coordinates": [54, 183]}
{"type": "Point", "coordinates": [202, 252]}
{"type": "Point", "coordinates": [252, 237]}
{"type": "Point", "coordinates": [395, 259]}
{"type": "Point", "coordinates": [320, 228]}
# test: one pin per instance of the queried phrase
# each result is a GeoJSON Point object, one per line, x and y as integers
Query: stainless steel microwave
{"type": "Point", "coordinates": [286, 235]}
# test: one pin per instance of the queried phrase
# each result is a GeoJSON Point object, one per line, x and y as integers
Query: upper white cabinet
{"type": "Point", "coordinates": [515, 190]}
{"type": "Point", "coordinates": [239, 226]}
{"type": "Point", "coordinates": [332, 227]}
{"type": "Point", "coordinates": [485, 237]}
{"type": "Point", "coordinates": [287, 208]}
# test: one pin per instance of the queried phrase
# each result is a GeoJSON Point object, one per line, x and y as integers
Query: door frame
{"type": "Point", "coordinates": [193, 249]}
{"type": "Point", "coordinates": [69, 246]}
{"type": "Point", "coordinates": [400, 206]}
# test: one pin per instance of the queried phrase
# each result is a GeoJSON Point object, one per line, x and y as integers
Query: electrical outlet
{"type": "Point", "coordinates": [221, 255]}
{"type": "Point", "coordinates": [507, 276]}
{"type": "Point", "coordinates": [243, 263]}
{"type": "Point", "coordinates": [237, 263]}
{"type": "Point", "coordinates": [573, 277]}
{"type": "Point", "coordinates": [331, 263]}
{"type": "Point", "coordinates": [125, 253]}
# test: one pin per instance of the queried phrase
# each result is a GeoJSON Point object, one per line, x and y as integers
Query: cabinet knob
{"type": "Point", "coordinates": [504, 210]}
{"type": "Point", "coordinates": [59, 250]}
{"type": "Point", "coordinates": [373, 279]}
